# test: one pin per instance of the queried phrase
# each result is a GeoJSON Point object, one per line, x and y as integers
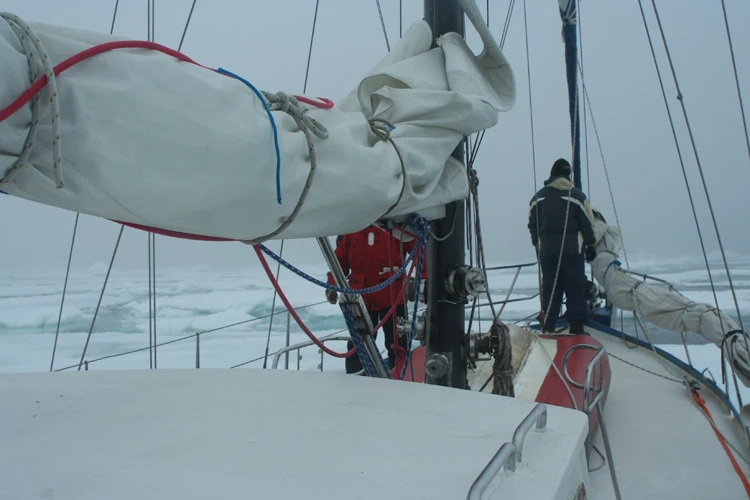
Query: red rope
{"type": "Point", "coordinates": [322, 104]}
{"type": "Point", "coordinates": [39, 84]}
{"type": "Point", "coordinates": [702, 405]}
{"type": "Point", "coordinates": [291, 310]}
{"type": "Point", "coordinates": [172, 234]}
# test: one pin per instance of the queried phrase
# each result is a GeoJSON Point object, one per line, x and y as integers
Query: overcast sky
{"type": "Point", "coordinates": [267, 42]}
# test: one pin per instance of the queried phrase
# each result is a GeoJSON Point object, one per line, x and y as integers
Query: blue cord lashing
{"type": "Point", "coordinates": [613, 263]}
{"type": "Point", "coordinates": [359, 344]}
{"type": "Point", "coordinates": [407, 357]}
{"type": "Point", "coordinates": [273, 126]}
{"type": "Point", "coordinates": [421, 234]}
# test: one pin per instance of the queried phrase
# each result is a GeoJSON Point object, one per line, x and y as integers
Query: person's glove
{"type": "Point", "coordinates": [590, 254]}
{"type": "Point", "coordinates": [332, 296]}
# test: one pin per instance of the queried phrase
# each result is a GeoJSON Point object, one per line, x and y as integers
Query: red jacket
{"type": "Point", "coordinates": [373, 255]}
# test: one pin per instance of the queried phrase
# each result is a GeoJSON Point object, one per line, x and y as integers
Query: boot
{"type": "Point", "coordinates": [576, 329]}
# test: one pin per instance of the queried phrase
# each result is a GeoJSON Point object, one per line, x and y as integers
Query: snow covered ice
{"type": "Point", "coordinates": [199, 299]}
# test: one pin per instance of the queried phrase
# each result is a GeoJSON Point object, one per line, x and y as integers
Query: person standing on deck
{"type": "Point", "coordinates": [370, 257]}
{"type": "Point", "coordinates": [557, 201]}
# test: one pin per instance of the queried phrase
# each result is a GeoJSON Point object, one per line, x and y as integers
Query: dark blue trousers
{"type": "Point", "coordinates": [571, 280]}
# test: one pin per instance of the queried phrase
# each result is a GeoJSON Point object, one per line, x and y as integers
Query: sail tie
{"type": "Point", "coordinates": [382, 130]}
{"type": "Point", "coordinates": [36, 53]}
{"type": "Point", "coordinates": [289, 104]}
{"type": "Point", "coordinates": [309, 126]}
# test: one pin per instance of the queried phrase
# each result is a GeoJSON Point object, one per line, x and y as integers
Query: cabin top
{"type": "Point", "coordinates": [268, 434]}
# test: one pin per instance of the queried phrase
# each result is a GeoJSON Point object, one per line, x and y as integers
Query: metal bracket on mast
{"type": "Point", "coordinates": [356, 305]}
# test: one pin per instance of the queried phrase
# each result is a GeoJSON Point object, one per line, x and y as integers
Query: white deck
{"type": "Point", "coordinates": [209, 434]}
{"type": "Point", "coordinates": [663, 447]}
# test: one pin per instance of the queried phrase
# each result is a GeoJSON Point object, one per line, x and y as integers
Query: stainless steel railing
{"type": "Point", "coordinates": [509, 453]}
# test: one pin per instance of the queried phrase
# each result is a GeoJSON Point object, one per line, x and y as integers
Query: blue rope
{"type": "Point", "coordinates": [613, 263]}
{"type": "Point", "coordinates": [351, 291]}
{"type": "Point", "coordinates": [273, 126]}
{"type": "Point", "coordinates": [421, 235]}
{"type": "Point", "coordinates": [359, 343]}
{"type": "Point", "coordinates": [407, 358]}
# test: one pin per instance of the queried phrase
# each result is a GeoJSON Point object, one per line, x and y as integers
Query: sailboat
{"type": "Point", "coordinates": [565, 420]}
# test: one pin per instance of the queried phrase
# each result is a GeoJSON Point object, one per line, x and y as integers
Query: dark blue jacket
{"type": "Point", "coordinates": [547, 211]}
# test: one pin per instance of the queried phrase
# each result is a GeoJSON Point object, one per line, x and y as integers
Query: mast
{"type": "Point", "coordinates": [569, 16]}
{"type": "Point", "coordinates": [446, 323]}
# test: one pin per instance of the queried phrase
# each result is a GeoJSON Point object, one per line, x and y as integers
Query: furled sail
{"type": "Point", "coordinates": [665, 308]}
{"type": "Point", "coordinates": [159, 142]}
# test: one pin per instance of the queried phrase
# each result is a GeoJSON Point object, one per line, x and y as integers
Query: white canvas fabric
{"type": "Point", "coordinates": [151, 140]}
{"type": "Point", "coordinates": [663, 307]}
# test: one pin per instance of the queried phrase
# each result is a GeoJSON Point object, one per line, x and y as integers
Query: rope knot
{"type": "Point", "coordinates": [281, 101]}
{"type": "Point", "coordinates": [473, 180]}
{"type": "Point", "coordinates": [381, 128]}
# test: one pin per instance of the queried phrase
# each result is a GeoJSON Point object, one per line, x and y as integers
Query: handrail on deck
{"type": "Point", "coordinates": [504, 458]}
{"type": "Point", "coordinates": [539, 416]}
{"type": "Point", "coordinates": [509, 453]}
{"type": "Point", "coordinates": [594, 366]}
{"type": "Point", "coordinates": [510, 266]}
{"type": "Point", "coordinates": [301, 345]}
{"type": "Point", "coordinates": [507, 299]}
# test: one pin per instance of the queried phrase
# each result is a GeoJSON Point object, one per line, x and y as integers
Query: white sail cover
{"type": "Point", "coordinates": [665, 308]}
{"type": "Point", "coordinates": [150, 140]}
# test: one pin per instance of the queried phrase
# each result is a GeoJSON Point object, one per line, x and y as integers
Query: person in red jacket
{"type": "Point", "coordinates": [370, 257]}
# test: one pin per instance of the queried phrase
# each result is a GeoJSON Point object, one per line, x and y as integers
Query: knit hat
{"type": "Point", "coordinates": [561, 167]}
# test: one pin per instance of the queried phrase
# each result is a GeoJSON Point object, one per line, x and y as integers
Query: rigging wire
{"type": "Point", "coordinates": [114, 17]}
{"type": "Point", "coordinates": [533, 151]}
{"type": "Point", "coordinates": [150, 308]}
{"type": "Point", "coordinates": [606, 172]}
{"type": "Point", "coordinates": [152, 297]}
{"type": "Point", "coordinates": [153, 20]}
{"type": "Point", "coordinates": [187, 24]}
{"type": "Point", "coordinates": [736, 77]}
{"type": "Point", "coordinates": [151, 237]}
{"type": "Point", "coordinates": [73, 241]}
{"type": "Point", "coordinates": [680, 97]}
{"type": "Point", "coordinates": [281, 250]}
{"type": "Point", "coordinates": [101, 296]}
{"type": "Point", "coordinates": [472, 207]}
{"type": "Point", "coordinates": [508, 17]}
{"type": "Point", "coordinates": [382, 23]}
{"type": "Point", "coordinates": [273, 307]}
{"type": "Point", "coordinates": [312, 39]}
{"type": "Point", "coordinates": [400, 18]}
{"type": "Point", "coordinates": [680, 157]}
{"type": "Point", "coordinates": [65, 288]}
